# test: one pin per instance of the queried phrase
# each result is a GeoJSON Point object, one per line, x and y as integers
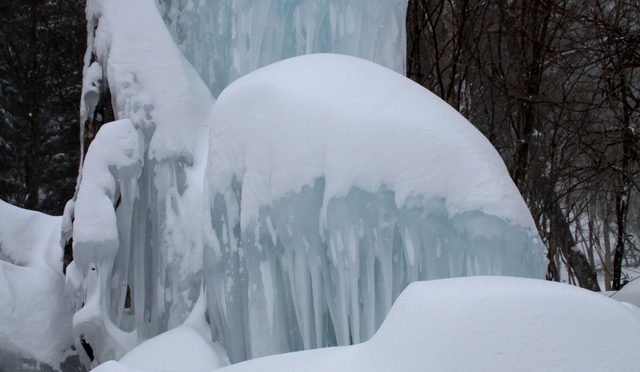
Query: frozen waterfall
{"type": "Point", "coordinates": [305, 199]}
{"type": "Point", "coordinates": [137, 230]}
{"type": "Point", "coordinates": [333, 183]}
{"type": "Point", "coordinates": [225, 40]}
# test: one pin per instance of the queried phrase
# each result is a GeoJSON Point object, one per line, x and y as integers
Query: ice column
{"type": "Point", "coordinates": [138, 241]}
{"type": "Point", "coordinates": [228, 39]}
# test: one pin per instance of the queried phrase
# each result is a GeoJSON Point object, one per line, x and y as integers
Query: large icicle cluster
{"type": "Point", "coordinates": [333, 183]}
{"type": "Point", "coordinates": [307, 198]}
{"type": "Point", "coordinates": [137, 231]}
{"type": "Point", "coordinates": [228, 39]}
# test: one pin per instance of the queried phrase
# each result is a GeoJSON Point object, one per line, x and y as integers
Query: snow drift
{"type": "Point", "coordinates": [475, 324]}
{"type": "Point", "coordinates": [485, 324]}
{"type": "Point", "coordinates": [35, 311]}
{"type": "Point", "coordinates": [333, 183]}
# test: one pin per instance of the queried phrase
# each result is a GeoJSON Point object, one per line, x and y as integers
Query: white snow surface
{"type": "Point", "coordinates": [114, 157]}
{"type": "Point", "coordinates": [485, 324]}
{"type": "Point", "coordinates": [35, 313]}
{"type": "Point", "coordinates": [151, 82]}
{"type": "Point", "coordinates": [481, 324]}
{"type": "Point", "coordinates": [179, 349]}
{"type": "Point", "coordinates": [357, 124]}
{"type": "Point", "coordinates": [630, 293]}
{"type": "Point", "coordinates": [186, 348]}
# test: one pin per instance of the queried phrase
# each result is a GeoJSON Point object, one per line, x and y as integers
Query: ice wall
{"type": "Point", "coordinates": [333, 183]}
{"type": "Point", "coordinates": [228, 39]}
{"type": "Point", "coordinates": [137, 231]}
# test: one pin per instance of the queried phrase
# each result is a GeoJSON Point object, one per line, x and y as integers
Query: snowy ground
{"type": "Point", "coordinates": [463, 324]}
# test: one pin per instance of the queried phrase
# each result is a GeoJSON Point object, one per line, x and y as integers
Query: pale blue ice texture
{"type": "Point", "coordinates": [288, 284]}
{"type": "Point", "coordinates": [226, 39]}
{"type": "Point", "coordinates": [284, 281]}
{"type": "Point", "coordinates": [333, 183]}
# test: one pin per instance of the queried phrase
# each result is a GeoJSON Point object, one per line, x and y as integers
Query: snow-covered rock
{"type": "Point", "coordinates": [332, 184]}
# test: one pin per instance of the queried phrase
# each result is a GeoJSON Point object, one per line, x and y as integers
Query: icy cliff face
{"type": "Point", "coordinates": [228, 39]}
{"type": "Point", "coordinates": [333, 183]}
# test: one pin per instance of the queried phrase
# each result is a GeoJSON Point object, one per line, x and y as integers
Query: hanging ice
{"type": "Point", "coordinates": [137, 229]}
{"type": "Point", "coordinates": [228, 39]}
{"type": "Point", "coordinates": [140, 268]}
{"type": "Point", "coordinates": [332, 184]}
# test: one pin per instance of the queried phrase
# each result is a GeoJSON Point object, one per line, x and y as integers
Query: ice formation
{"type": "Point", "coordinates": [35, 313]}
{"type": "Point", "coordinates": [307, 198]}
{"type": "Point", "coordinates": [333, 183]}
{"type": "Point", "coordinates": [139, 271]}
{"type": "Point", "coordinates": [228, 39]}
{"type": "Point", "coordinates": [484, 324]}
{"type": "Point", "coordinates": [137, 231]}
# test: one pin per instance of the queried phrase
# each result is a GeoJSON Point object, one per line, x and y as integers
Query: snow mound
{"type": "Point", "coordinates": [334, 182]}
{"type": "Point", "coordinates": [180, 349]}
{"type": "Point", "coordinates": [357, 124]}
{"type": "Point", "coordinates": [35, 310]}
{"type": "Point", "coordinates": [29, 238]}
{"type": "Point", "coordinates": [186, 348]}
{"type": "Point", "coordinates": [484, 324]}
{"type": "Point", "coordinates": [630, 293]}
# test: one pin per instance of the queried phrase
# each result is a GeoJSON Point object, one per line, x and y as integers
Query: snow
{"type": "Point", "coordinates": [151, 82]}
{"type": "Point", "coordinates": [32, 290]}
{"type": "Point", "coordinates": [481, 324]}
{"type": "Point", "coordinates": [136, 229]}
{"type": "Point", "coordinates": [225, 40]}
{"type": "Point", "coordinates": [485, 324]}
{"type": "Point", "coordinates": [630, 293]}
{"type": "Point", "coordinates": [179, 349]}
{"type": "Point", "coordinates": [304, 202]}
{"type": "Point", "coordinates": [334, 182]}
{"type": "Point", "coordinates": [323, 109]}
{"type": "Point", "coordinates": [186, 348]}
{"type": "Point", "coordinates": [113, 157]}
